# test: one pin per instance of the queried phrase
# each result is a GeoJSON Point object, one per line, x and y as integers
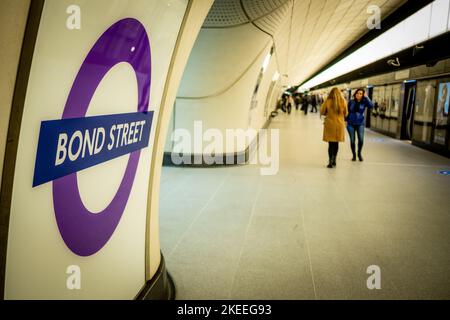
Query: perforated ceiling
{"type": "Point", "coordinates": [307, 34]}
{"type": "Point", "coordinates": [227, 13]}
{"type": "Point", "coordinates": [231, 13]}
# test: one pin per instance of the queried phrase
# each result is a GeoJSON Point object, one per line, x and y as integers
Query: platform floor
{"type": "Point", "coordinates": [310, 232]}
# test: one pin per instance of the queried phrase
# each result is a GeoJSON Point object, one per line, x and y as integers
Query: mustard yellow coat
{"type": "Point", "coordinates": [334, 127]}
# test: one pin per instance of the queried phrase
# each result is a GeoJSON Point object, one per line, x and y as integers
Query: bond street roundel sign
{"type": "Point", "coordinates": [76, 142]}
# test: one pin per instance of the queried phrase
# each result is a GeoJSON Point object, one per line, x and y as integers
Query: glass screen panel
{"type": "Point", "coordinates": [441, 126]}
{"type": "Point", "coordinates": [423, 111]}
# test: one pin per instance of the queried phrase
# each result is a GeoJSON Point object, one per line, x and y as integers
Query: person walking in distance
{"type": "Point", "coordinates": [290, 103]}
{"type": "Point", "coordinates": [335, 110]}
{"type": "Point", "coordinates": [314, 103]}
{"type": "Point", "coordinates": [305, 104]}
{"type": "Point", "coordinates": [297, 101]}
{"type": "Point", "coordinates": [356, 122]}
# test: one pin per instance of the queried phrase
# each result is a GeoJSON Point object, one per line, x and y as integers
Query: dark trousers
{"type": "Point", "coordinates": [333, 148]}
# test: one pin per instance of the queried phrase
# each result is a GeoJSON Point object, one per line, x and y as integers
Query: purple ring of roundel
{"type": "Point", "coordinates": [84, 232]}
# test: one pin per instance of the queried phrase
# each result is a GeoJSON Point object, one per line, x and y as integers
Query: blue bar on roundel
{"type": "Point", "coordinates": [71, 145]}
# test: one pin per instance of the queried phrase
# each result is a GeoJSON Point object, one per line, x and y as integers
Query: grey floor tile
{"type": "Point", "coordinates": [309, 232]}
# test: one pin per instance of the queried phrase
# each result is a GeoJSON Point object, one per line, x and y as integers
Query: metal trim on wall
{"type": "Point", "coordinates": [148, 275]}
{"type": "Point", "coordinates": [15, 122]}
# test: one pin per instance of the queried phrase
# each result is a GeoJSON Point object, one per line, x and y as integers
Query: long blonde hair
{"type": "Point", "coordinates": [336, 101]}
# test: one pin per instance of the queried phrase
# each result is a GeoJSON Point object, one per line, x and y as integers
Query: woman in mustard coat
{"type": "Point", "coordinates": [335, 110]}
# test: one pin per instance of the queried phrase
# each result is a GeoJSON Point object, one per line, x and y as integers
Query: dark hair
{"type": "Point", "coordinates": [360, 89]}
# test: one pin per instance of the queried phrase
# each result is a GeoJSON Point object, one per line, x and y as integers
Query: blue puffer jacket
{"type": "Point", "coordinates": [356, 117]}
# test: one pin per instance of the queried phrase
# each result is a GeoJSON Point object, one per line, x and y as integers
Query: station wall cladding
{"type": "Point", "coordinates": [79, 194]}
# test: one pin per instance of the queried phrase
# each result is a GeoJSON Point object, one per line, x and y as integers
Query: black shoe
{"type": "Point", "coordinates": [360, 157]}
{"type": "Point", "coordinates": [330, 163]}
{"type": "Point", "coordinates": [333, 161]}
{"type": "Point", "coordinates": [353, 151]}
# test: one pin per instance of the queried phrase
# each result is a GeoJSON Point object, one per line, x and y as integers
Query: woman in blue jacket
{"type": "Point", "coordinates": [356, 122]}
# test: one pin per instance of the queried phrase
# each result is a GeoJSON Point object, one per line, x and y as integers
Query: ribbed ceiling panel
{"type": "Point", "coordinates": [257, 9]}
{"type": "Point", "coordinates": [272, 22]}
{"type": "Point", "coordinates": [307, 33]}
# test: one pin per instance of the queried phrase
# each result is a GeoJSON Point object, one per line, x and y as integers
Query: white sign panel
{"type": "Point", "coordinates": [78, 211]}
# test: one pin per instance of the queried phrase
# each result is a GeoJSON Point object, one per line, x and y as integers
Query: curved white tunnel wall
{"type": "Point", "coordinates": [219, 81]}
